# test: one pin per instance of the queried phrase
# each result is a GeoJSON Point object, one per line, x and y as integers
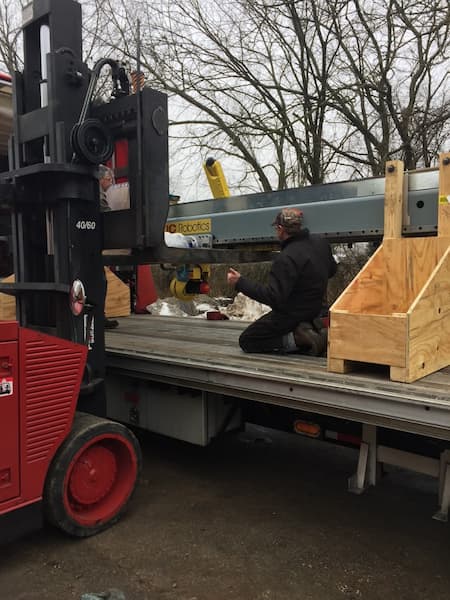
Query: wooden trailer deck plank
{"type": "Point", "coordinates": [205, 355]}
{"type": "Point", "coordinates": [214, 345]}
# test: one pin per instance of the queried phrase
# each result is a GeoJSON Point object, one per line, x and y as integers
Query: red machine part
{"type": "Point", "coordinates": [119, 162]}
{"type": "Point", "coordinates": [9, 414]}
{"type": "Point", "coordinates": [92, 477]}
{"type": "Point", "coordinates": [84, 469]}
{"type": "Point", "coordinates": [204, 288]}
{"type": "Point", "coordinates": [51, 370]}
{"type": "Point", "coordinates": [40, 377]}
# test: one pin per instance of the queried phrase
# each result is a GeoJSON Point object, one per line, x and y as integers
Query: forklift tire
{"type": "Point", "coordinates": [92, 476]}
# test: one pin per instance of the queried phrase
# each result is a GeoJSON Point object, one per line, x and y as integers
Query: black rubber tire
{"type": "Point", "coordinates": [85, 429]}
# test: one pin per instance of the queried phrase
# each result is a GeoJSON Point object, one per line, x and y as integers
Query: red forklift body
{"type": "Point", "coordinates": [40, 378]}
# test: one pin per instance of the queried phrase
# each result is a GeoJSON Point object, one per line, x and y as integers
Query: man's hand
{"type": "Point", "coordinates": [233, 276]}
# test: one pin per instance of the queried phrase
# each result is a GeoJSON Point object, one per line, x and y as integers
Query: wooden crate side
{"type": "Point", "coordinates": [444, 195]}
{"type": "Point", "coordinates": [393, 199]}
{"type": "Point", "coordinates": [400, 374]}
{"type": "Point", "coordinates": [444, 219]}
{"type": "Point", "coordinates": [8, 302]}
{"type": "Point", "coordinates": [340, 365]}
{"type": "Point", "coordinates": [395, 261]}
{"type": "Point", "coordinates": [117, 296]}
{"type": "Point", "coordinates": [366, 291]}
{"type": "Point", "coordinates": [392, 278]}
{"type": "Point", "coordinates": [429, 317]}
{"type": "Point", "coordinates": [378, 339]}
{"type": "Point", "coordinates": [409, 264]}
{"type": "Point", "coordinates": [443, 244]}
{"type": "Point", "coordinates": [431, 296]}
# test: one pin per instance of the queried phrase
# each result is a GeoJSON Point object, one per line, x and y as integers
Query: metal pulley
{"type": "Point", "coordinates": [92, 141]}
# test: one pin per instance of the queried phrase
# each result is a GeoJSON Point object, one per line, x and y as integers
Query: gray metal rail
{"type": "Point", "coordinates": [348, 210]}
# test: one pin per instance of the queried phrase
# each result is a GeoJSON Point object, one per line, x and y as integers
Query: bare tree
{"type": "Point", "coordinates": [392, 81]}
{"type": "Point", "coordinates": [10, 11]}
{"type": "Point", "coordinates": [240, 70]}
{"type": "Point", "coordinates": [297, 90]}
{"type": "Point", "coordinates": [291, 91]}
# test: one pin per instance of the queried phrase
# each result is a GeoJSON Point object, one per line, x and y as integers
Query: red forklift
{"type": "Point", "coordinates": [59, 457]}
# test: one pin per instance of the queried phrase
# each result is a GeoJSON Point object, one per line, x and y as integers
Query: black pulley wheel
{"type": "Point", "coordinates": [92, 142]}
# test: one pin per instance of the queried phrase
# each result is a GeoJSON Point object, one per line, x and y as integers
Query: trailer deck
{"type": "Point", "coordinates": [201, 354]}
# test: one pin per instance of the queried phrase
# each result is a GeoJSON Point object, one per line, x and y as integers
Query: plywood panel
{"type": "Point", "coordinates": [443, 244]}
{"type": "Point", "coordinates": [431, 302]}
{"type": "Point", "coordinates": [8, 303]}
{"type": "Point", "coordinates": [390, 282]}
{"type": "Point", "coordinates": [366, 292]}
{"type": "Point", "coordinates": [399, 374]}
{"type": "Point", "coordinates": [393, 278]}
{"type": "Point", "coordinates": [393, 199]}
{"type": "Point", "coordinates": [409, 264]}
{"type": "Point", "coordinates": [117, 296]}
{"type": "Point", "coordinates": [339, 365]}
{"type": "Point", "coordinates": [444, 195]}
{"type": "Point", "coordinates": [376, 339]}
{"type": "Point", "coordinates": [444, 219]}
{"type": "Point", "coordinates": [395, 255]}
{"type": "Point", "coordinates": [429, 344]}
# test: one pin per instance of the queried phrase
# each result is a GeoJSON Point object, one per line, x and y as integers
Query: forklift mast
{"type": "Point", "coordinates": [76, 468]}
{"type": "Point", "coordinates": [52, 190]}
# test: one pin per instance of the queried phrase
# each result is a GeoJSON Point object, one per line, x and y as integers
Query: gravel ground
{"type": "Point", "coordinates": [253, 518]}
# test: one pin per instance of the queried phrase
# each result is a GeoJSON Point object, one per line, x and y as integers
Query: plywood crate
{"type": "Point", "coordinates": [396, 311]}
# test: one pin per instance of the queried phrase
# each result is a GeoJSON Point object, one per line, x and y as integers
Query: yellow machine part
{"type": "Point", "coordinates": [216, 178]}
{"type": "Point", "coordinates": [186, 290]}
{"type": "Point", "coordinates": [217, 183]}
{"type": "Point", "coordinates": [199, 272]}
{"type": "Point", "coordinates": [178, 290]}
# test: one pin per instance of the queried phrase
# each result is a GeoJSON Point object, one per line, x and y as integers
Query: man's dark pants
{"type": "Point", "coordinates": [266, 334]}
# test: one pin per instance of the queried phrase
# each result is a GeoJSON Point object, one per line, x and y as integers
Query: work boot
{"type": "Point", "coordinates": [308, 340]}
{"type": "Point", "coordinates": [111, 323]}
{"type": "Point", "coordinates": [317, 323]}
{"type": "Point", "coordinates": [323, 334]}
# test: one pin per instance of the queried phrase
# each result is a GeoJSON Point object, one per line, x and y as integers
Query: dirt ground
{"type": "Point", "coordinates": [251, 518]}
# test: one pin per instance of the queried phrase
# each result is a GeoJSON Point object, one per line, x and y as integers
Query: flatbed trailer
{"type": "Point", "coordinates": [406, 425]}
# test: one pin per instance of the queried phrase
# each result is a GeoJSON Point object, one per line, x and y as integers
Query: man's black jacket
{"type": "Point", "coordinates": [298, 278]}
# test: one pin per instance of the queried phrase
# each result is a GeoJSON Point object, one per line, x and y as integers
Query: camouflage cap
{"type": "Point", "coordinates": [290, 218]}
